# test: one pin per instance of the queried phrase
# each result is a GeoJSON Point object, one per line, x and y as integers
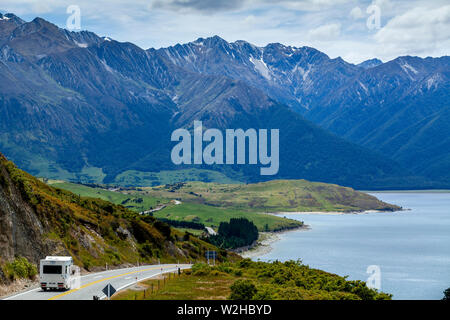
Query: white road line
{"type": "Point", "coordinates": [144, 278]}
{"type": "Point", "coordinates": [99, 276]}
{"type": "Point", "coordinates": [21, 294]}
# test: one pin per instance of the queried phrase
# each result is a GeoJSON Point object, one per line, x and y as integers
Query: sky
{"type": "Point", "coordinates": [354, 30]}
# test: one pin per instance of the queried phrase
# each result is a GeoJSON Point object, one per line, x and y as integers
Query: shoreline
{"type": "Point", "coordinates": [263, 245]}
{"type": "Point", "coordinates": [334, 212]}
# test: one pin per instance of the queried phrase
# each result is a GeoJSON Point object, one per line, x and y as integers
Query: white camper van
{"type": "Point", "coordinates": [56, 273]}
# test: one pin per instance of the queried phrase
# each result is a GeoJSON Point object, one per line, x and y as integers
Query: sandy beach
{"type": "Point", "coordinates": [266, 239]}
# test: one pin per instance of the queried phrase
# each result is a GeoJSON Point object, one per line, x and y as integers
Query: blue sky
{"type": "Point", "coordinates": [336, 27]}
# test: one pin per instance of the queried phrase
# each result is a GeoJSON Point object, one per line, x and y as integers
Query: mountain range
{"type": "Point", "coordinates": [398, 108]}
{"type": "Point", "coordinates": [81, 107]}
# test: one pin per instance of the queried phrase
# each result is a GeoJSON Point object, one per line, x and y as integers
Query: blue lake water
{"type": "Point", "coordinates": [411, 248]}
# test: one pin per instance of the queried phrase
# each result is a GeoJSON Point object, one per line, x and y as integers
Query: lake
{"type": "Point", "coordinates": [411, 248]}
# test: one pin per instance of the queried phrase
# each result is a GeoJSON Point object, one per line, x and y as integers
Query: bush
{"type": "Point", "coordinates": [201, 269]}
{"type": "Point", "coordinates": [239, 232]}
{"type": "Point", "coordinates": [446, 295]}
{"type": "Point", "coordinates": [21, 268]}
{"type": "Point", "coordinates": [243, 290]}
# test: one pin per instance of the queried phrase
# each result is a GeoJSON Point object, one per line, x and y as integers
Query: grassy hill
{"type": "Point", "coordinates": [140, 199]}
{"type": "Point", "coordinates": [272, 196]}
{"type": "Point", "coordinates": [38, 220]}
{"type": "Point", "coordinates": [212, 203]}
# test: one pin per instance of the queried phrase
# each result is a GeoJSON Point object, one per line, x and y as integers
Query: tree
{"type": "Point", "coordinates": [446, 295]}
{"type": "Point", "coordinates": [243, 290]}
{"type": "Point", "coordinates": [239, 232]}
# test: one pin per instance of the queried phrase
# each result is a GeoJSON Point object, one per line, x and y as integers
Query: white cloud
{"type": "Point", "coordinates": [418, 31]}
{"type": "Point", "coordinates": [325, 32]}
{"type": "Point", "coordinates": [357, 13]}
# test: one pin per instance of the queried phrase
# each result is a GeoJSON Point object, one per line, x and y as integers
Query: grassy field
{"type": "Point", "coordinates": [248, 280]}
{"type": "Point", "coordinates": [184, 287]}
{"type": "Point", "coordinates": [213, 203]}
{"type": "Point", "coordinates": [212, 216]}
{"type": "Point", "coordinates": [272, 196]}
{"type": "Point", "coordinates": [209, 215]}
{"type": "Point", "coordinates": [135, 202]}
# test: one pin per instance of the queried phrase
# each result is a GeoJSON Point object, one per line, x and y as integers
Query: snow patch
{"type": "Point", "coordinates": [81, 45]}
{"type": "Point", "coordinates": [408, 69]}
{"type": "Point", "coordinates": [261, 67]}
{"type": "Point", "coordinates": [364, 87]}
{"type": "Point", "coordinates": [108, 68]}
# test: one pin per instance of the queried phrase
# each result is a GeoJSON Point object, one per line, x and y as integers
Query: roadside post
{"type": "Point", "coordinates": [109, 290]}
{"type": "Point", "coordinates": [211, 255]}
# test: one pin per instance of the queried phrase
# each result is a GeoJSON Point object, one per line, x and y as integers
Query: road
{"type": "Point", "coordinates": [211, 231]}
{"type": "Point", "coordinates": [92, 284]}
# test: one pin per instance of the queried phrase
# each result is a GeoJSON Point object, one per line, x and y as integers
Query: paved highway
{"type": "Point", "coordinates": [92, 284]}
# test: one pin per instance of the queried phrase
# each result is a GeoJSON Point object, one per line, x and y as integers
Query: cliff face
{"type": "Point", "coordinates": [21, 231]}
{"type": "Point", "coordinates": [37, 220]}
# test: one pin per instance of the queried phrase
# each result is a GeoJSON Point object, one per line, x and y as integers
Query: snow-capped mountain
{"type": "Point", "coordinates": [370, 103]}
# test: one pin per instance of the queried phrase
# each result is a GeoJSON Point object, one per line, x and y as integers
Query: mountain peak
{"type": "Point", "coordinates": [370, 63]}
{"type": "Point", "coordinates": [43, 23]}
{"type": "Point", "coordinates": [11, 17]}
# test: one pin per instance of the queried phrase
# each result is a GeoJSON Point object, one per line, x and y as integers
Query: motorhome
{"type": "Point", "coordinates": [57, 273]}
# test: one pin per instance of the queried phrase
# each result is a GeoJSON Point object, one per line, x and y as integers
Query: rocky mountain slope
{"type": "Point", "coordinates": [79, 107]}
{"type": "Point", "coordinates": [38, 220]}
{"type": "Point", "coordinates": [373, 104]}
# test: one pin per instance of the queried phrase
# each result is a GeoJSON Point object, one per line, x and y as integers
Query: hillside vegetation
{"type": "Point", "coordinates": [249, 280]}
{"type": "Point", "coordinates": [213, 203]}
{"type": "Point", "coordinates": [38, 220]}
{"type": "Point", "coordinates": [272, 196]}
{"type": "Point", "coordinates": [142, 199]}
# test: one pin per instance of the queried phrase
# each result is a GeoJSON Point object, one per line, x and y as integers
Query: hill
{"type": "Point", "coordinates": [273, 196]}
{"type": "Point", "coordinates": [38, 220]}
{"type": "Point", "coordinates": [141, 199]}
{"type": "Point", "coordinates": [213, 203]}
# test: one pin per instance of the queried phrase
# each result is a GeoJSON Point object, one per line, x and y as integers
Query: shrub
{"type": "Point", "coordinates": [446, 295]}
{"type": "Point", "coordinates": [201, 269]}
{"type": "Point", "coordinates": [21, 268]}
{"type": "Point", "coordinates": [243, 290]}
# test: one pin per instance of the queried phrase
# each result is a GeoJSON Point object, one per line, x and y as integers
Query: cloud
{"type": "Point", "coordinates": [198, 5]}
{"type": "Point", "coordinates": [357, 13]}
{"type": "Point", "coordinates": [416, 32]}
{"type": "Point", "coordinates": [326, 32]}
{"type": "Point", "coordinates": [217, 6]}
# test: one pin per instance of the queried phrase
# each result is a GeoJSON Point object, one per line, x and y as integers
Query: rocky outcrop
{"type": "Point", "coordinates": [21, 231]}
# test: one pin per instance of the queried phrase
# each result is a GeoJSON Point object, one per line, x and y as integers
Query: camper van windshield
{"type": "Point", "coordinates": [53, 269]}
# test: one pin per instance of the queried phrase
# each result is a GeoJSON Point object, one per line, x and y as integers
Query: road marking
{"type": "Point", "coordinates": [127, 278]}
{"type": "Point", "coordinates": [143, 279]}
{"type": "Point", "coordinates": [101, 280]}
{"type": "Point", "coordinates": [98, 277]}
{"type": "Point", "coordinates": [21, 294]}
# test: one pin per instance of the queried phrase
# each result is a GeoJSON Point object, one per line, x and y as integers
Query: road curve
{"type": "Point", "coordinates": [93, 283]}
